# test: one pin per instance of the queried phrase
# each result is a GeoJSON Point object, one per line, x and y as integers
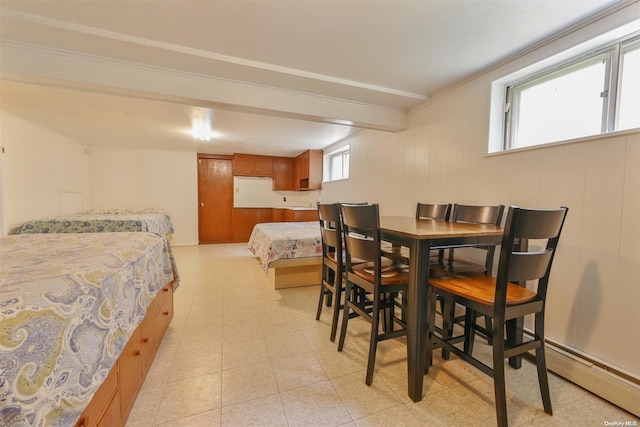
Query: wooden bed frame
{"type": "Point", "coordinates": [113, 401]}
{"type": "Point", "coordinates": [294, 272]}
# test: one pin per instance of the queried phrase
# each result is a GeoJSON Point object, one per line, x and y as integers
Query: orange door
{"type": "Point", "coordinates": [215, 199]}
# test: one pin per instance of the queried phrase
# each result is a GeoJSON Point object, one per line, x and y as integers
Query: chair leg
{"type": "Point", "coordinates": [345, 315]}
{"type": "Point", "coordinates": [469, 330]}
{"type": "Point", "coordinates": [323, 291]}
{"type": "Point", "coordinates": [332, 279]}
{"type": "Point", "coordinates": [431, 320]}
{"type": "Point", "coordinates": [373, 342]}
{"type": "Point", "coordinates": [541, 364]}
{"type": "Point", "coordinates": [336, 308]}
{"type": "Point", "coordinates": [488, 327]}
{"type": "Point", "coordinates": [448, 313]}
{"type": "Point", "coordinates": [498, 375]}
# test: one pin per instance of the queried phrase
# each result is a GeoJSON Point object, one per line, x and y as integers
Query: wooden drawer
{"type": "Point", "coordinates": [112, 416]}
{"type": "Point", "coordinates": [130, 373]}
{"type": "Point", "coordinates": [149, 341]}
{"type": "Point", "coordinates": [114, 399]}
{"type": "Point", "coordinates": [104, 405]}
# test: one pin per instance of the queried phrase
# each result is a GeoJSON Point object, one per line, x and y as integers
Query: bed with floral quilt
{"type": "Point", "coordinates": [290, 252]}
{"type": "Point", "coordinates": [69, 302]}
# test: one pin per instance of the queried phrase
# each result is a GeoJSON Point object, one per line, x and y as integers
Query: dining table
{"type": "Point", "coordinates": [420, 236]}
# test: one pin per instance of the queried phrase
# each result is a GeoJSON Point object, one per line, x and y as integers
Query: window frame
{"type": "Point", "coordinates": [340, 152]}
{"type": "Point", "coordinates": [611, 54]}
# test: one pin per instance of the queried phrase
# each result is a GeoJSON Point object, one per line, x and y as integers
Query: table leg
{"type": "Point", "coordinates": [417, 327]}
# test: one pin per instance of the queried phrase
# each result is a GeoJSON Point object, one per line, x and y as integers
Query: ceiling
{"type": "Point", "coordinates": [386, 53]}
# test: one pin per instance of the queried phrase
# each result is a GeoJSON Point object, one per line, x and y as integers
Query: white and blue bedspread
{"type": "Point", "coordinates": [282, 240]}
{"type": "Point", "coordinates": [68, 305]}
{"type": "Point", "coordinates": [99, 222]}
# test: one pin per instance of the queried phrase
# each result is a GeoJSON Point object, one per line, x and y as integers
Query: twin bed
{"type": "Point", "coordinates": [81, 317]}
{"type": "Point", "coordinates": [290, 252]}
{"type": "Point", "coordinates": [85, 301]}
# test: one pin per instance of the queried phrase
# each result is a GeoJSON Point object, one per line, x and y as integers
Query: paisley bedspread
{"type": "Point", "coordinates": [108, 220]}
{"type": "Point", "coordinates": [68, 305]}
{"type": "Point", "coordinates": [101, 221]}
{"type": "Point", "coordinates": [279, 240]}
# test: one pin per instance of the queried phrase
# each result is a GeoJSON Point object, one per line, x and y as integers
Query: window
{"type": "Point", "coordinates": [594, 94]}
{"type": "Point", "coordinates": [629, 96]}
{"type": "Point", "coordinates": [339, 164]}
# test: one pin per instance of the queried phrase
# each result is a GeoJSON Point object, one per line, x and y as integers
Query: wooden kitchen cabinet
{"type": "Point", "coordinates": [303, 165]}
{"type": "Point", "coordinates": [283, 173]}
{"type": "Point", "coordinates": [244, 219]}
{"type": "Point", "coordinates": [292, 215]}
{"type": "Point", "coordinates": [252, 165]}
{"type": "Point", "coordinates": [278, 215]}
{"type": "Point", "coordinates": [308, 170]}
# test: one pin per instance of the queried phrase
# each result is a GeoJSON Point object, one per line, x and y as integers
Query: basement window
{"type": "Point", "coordinates": [597, 92]}
{"type": "Point", "coordinates": [338, 164]}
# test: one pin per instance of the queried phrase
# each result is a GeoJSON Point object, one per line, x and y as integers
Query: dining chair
{"type": "Point", "coordinates": [371, 287]}
{"type": "Point", "coordinates": [472, 214]}
{"type": "Point", "coordinates": [437, 212]}
{"type": "Point", "coordinates": [505, 301]}
{"type": "Point", "coordinates": [430, 211]}
{"type": "Point", "coordinates": [331, 286]}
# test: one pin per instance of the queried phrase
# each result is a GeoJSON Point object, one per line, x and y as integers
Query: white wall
{"type": "Point", "coordinates": [257, 192]}
{"type": "Point", "coordinates": [130, 178]}
{"type": "Point", "coordinates": [43, 173]}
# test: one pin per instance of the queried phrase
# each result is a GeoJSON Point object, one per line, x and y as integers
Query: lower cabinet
{"type": "Point", "coordinates": [113, 401]}
{"type": "Point", "coordinates": [301, 215]}
{"type": "Point", "coordinates": [244, 219]}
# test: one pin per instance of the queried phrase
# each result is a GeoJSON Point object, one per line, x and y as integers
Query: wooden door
{"type": "Point", "coordinates": [215, 199]}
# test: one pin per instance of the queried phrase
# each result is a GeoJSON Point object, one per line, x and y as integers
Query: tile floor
{"type": "Point", "coordinates": [239, 353]}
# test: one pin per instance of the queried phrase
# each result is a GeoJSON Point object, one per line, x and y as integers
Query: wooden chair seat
{"type": "Point", "coordinates": [390, 275]}
{"type": "Point", "coordinates": [332, 257]}
{"type": "Point", "coordinates": [481, 289]}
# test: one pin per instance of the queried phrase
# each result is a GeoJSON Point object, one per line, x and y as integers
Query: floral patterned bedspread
{"type": "Point", "coordinates": [108, 220]}
{"type": "Point", "coordinates": [100, 222]}
{"type": "Point", "coordinates": [279, 240]}
{"type": "Point", "coordinates": [68, 305]}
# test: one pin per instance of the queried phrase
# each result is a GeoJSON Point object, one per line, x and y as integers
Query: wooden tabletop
{"type": "Point", "coordinates": [431, 229]}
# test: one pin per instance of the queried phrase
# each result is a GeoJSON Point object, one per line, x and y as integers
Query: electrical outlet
{"type": "Point", "coordinates": [284, 199]}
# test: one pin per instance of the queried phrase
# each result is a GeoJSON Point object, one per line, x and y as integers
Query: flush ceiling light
{"type": "Point", "coordinates": [201, 125]}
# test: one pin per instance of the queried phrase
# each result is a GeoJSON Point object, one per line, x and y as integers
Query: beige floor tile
{"type": "Point", "coordinates": [314, 405]}
{"type": "Point", "coordinates": [187, 397]}
{"type": "Point", "coordinates": [337, 364]}
{"type": "Point", "coordinates": [362, 400]}
{"type": "Point", "coordinates": [396, 416]}
{"type": "Point", "coordinates": [264, 411]}
{"type": "Point", "coordinates": [206, 419]}
{"type": "Point", "coordinates": [193, 363]}
{"type": "Point", "coordinates": [248, 382]}
{"type": "Point", "coordinates": [297, 371]}
{"type": "Point", "coordinates": [287, 344]}
{"type": "Point", "coordinates": [241, 330]}
{"type": "Point", "coordinates": [243, 353]}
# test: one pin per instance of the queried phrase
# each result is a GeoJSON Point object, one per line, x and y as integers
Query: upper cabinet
{"type": "Point", "coordinates": [283, 173]}
{"type": "Point", "coordinates": [308, 170]}
{"type": "Point", "coordinates": [289, 174]}
{"type": "Point", "coordinates": [252, 165]}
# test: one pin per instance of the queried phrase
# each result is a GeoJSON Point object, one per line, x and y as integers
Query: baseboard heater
{"type": "Point", "coordinates": [618, 387]}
